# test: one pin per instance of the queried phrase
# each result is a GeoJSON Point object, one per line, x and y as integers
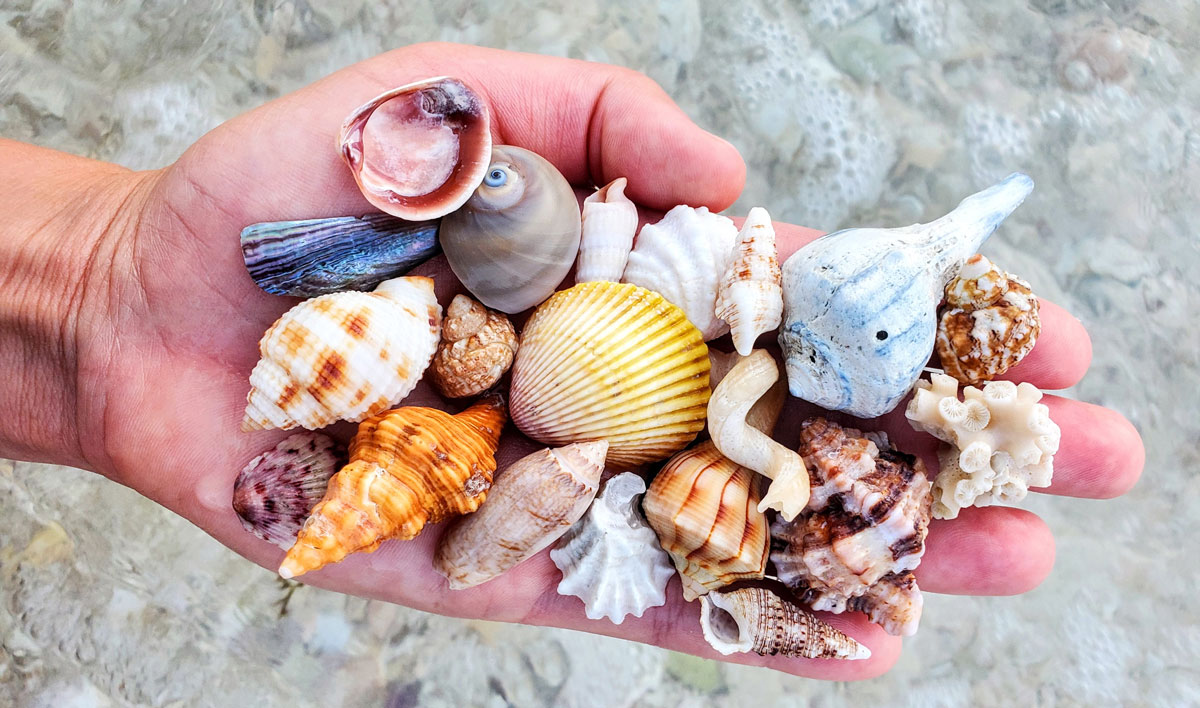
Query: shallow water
{"type": "Point", "coordinates": [848, 112]}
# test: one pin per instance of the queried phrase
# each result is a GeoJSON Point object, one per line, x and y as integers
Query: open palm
{"type": "Point", "coordinates": [170, 368]}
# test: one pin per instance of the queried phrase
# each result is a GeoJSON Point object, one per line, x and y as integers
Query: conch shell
{"type": "Point", "coordinates": [345, 356]}
{"type": "Point", "coordinates": [990, 322]}
{"type": "Point", "coordinates": [750, 294]}
{"type": "Point", "coordinates": [418, 151]}
{"type": "Point", "coordinates": [532, 503]}
{"type": "Point", "coordinates": [615, 362]}
{"type": "Point", "coordinates": [275, 491]}
{"type": "Point", "coordinates": [478, 346]}
{"type": "Point", "coordinates": [759, 620]}
{"type": "Point", "coordinates": [322, 256]}
{"type": "Point", "coordinates": [683, 257]}
{"type": "Point", "coordinates": [408, 467]}
{"type": "Point", "coordinates": [704, 509]}
{"type": "Point", "coordinates": [860, 305]}
{"type": "Point", "coordinates": [746, 445]}
{"type": "Point", "coordinates": [610, 220]}
{"type": "Point", "coordinates": [514, 241]}
{"type": "Point", "coordinates": [610, 559]}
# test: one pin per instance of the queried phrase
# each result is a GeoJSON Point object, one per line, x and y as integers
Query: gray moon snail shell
{"type": "Point", "coordinates": [516, 238]}
{"type": "Point", "coordinates": [860, 305]}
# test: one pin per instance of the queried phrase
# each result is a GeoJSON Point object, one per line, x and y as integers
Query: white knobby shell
{"type": "Point", "coordinates": [610, 221]}
{"type": "Point", "coordinates": [750, 294]}
{"type": "Point", "coordinates": [682, 258]}
{"type": "Point", "coordinates": [611, 559]}
{"type": "Point", "coordinates": [344, 356]}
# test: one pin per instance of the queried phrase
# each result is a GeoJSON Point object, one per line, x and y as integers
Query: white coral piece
{"type": "Point", "coordinates": [750, 294]}
{"type": "Point", "coordinates": [1003, 441]}
{"type": "Point", "coordinates": [611, 559]}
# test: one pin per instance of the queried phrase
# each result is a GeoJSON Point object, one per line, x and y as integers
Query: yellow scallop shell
{"type": "Point", "coordinates": [616, 362]}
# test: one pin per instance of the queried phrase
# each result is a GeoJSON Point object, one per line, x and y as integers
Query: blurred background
{"type": "Point", "coordinates": [849, 112]}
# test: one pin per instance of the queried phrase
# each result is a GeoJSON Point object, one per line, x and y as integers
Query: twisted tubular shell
{"type": "Point", "coordinates": [610, 221]}
{"type": "Point", "coordinates": [750, 294]}
{"type": "Point", "coordinates": [759, 620]}
{"type": "Point", "coordinates": [611, 361]}
{"type": "Point", "coordinates": [732, 400]}
{"type": "Point", "coordinates": [408, 467]}
{"type": "Point", "coordinates": [345, 356]}
{"type": "Point", "coordinates": [532, 503]}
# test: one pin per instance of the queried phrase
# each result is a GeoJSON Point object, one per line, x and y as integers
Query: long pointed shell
{"type": "Point", "coordinates": [514, 241]}
{"type": "Point", "coordinates": [750, 295]}
{"type": "Point", "coordinates": [610, 221]}
{"type": "Point", "coordinates": [860, 305]}
{"type": "Point", "coordinates": [275, 491]}
{"type": "Point", "coordinates": [345, 356]}
{"type": "Point", "coordinates": [683, 257]}
{"type": "Point", "coordinates": [615, 362]}
{"type": "Point", "coordinates": [418, 151]}
{"type": "Point", "coordinates": [611, 559]}
{"type": "Point", "coordinates": [531, 504]}
{"type": "Point", "coordinates": [478, 346]}
{"type": "Point", "coordinates": [732, 400]}
{"type": "Point", "coordinates": [322, 256]}
{"type": "Point", "coordinates": [758, 620]}
{"type": "Point", "coordinates": [408, 467]}
{"type": "Point", "coordinates": [704, 509]}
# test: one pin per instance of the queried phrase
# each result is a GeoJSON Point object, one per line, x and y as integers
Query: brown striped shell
{"type": "Point", "coordinates": [762, 621]}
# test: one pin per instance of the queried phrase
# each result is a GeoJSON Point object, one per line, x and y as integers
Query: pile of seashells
{"type": "Point", "coordinates": [614, 375]}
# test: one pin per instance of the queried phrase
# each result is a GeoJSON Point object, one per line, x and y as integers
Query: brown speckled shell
{"type": "Point", "coordinates": [478, 346]}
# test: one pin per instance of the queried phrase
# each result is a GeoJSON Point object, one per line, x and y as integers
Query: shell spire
{"type": "Point", "coordinates": [408, 467]}
{"type": "Point", "coordinates": [610, 221]}
{"type": "Point", "coordinates": [759, 620]}
{"type": "Point", "coordinates": [750, 295]}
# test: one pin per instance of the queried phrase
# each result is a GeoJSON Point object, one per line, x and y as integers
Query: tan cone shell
{"type": "Point", "coordinates": [704, 509]}
{"type": "Point", "coordinates": [408, 467]}
{"type": "Point", "coordinates": [616, 362]}
{"type": "Point", "coordinates": [759, 620]}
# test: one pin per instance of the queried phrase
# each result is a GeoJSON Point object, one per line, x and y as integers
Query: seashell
{"type": "Point", "coordinates": [345, 356]}
{"type": "Point", "coordinates": [1004, 441]}
{"type": "Point", "coordinates": [611, 361]}
{"type": "Point", "coordinates": [610, 559]}
{"type": "Point", "coordinates": [478, 346]}
{"type": "Point", "coordinates": [759, 620]}
{"type": "Point", "coordinates": [990, 322]}
{"type": "Point", "coordinates": [532, 503]}
{"type": "Point", "coordinates": [860, 304]}
{"type": "Point", "coordinates": [514, 241]}
{"type": "Point", "coordinates": [610, 220]}
{"type": "Point", "coordinates": [322, 256]}
{"type": "Point", "coordinates": [746, 445]}
{"type": "Point", "coordinates": [865, 524]}
{"type": "Point", "coordinates": [275, 491]}
{"type": "Point", "coordinates": [420, 150]}
{"type": "Point", "coordinates": [750, 294]}
{"type": "Point", "coordinates": [704, 509]}
{"type": "Point", "coordinates": [408, 467]}
{"type": "Point", "coordinates": [683, 257]}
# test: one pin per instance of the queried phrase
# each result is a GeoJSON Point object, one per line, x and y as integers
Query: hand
{"type": "Point", "coordinates": [164, 335]}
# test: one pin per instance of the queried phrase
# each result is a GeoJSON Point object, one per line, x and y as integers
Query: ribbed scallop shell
{"type": "Point", "coordinates": [704, 509]}
{"type": "Point", "coordinates": [683, 257]}
{"type": "Point", "coordinates": [759, 620]}
{"type": "Point", "coordinates": [750, 294]}
{"type": "Point", "coordinates": [611, 361]}
{"type": "Point", "coordinates": [344, 356]}
{"type": "Point", "coordinates": [533, 502]}
{"type": "Point", "coordinates": [610, 221]}
{"type": "Point", "coordinates": [611, 559]}
{"type": "Point", "coordinates": [409, 467]}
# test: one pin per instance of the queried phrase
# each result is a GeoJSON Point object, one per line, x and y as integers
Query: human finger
{"type": "Point", "coordinates": [992, 550]}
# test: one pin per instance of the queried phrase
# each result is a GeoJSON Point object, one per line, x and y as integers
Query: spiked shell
{"type": "Point", "coordinates": [759, 620]}
{"type": "Point", "coordinates": [611, 361]}
{"type": "Point", "coordinates": [750, 294]}
{"type": "Point", "coordinates": [275, 491]}
{"type": "Point", "coordinates": [532, 503]}
{"type": "Point", "coordinates": [408, 467]}
{"type": "Point", "coordinates": [610, 221]}
{"type": "Point", "coordinates": [345, 356]}
{"type": "Point", "coordinates": [704, 509]}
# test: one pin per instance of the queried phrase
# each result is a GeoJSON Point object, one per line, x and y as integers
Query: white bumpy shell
{"type": "Point", "coordinates": [750, 295]}
{"type": "Point", "coordinates": [611, 559]}
{"type": "Point", "coordinates": [682, 258]}
{"type": "Point", "coordinates": [610, 221]}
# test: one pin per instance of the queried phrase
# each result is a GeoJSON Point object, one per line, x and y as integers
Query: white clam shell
{"type": "Point", "coordinates": [750, 294]}
{"type": "Point", "coordinates": [611, 559]}
{"type": "Point", "coordinates": [610, 221]}
{"type": "Point", "coordinates": [860, 304]}
{"type": "Point", "coordinates": [682, 258]}
{"type": "Point", "coordinates": [344, 356]}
